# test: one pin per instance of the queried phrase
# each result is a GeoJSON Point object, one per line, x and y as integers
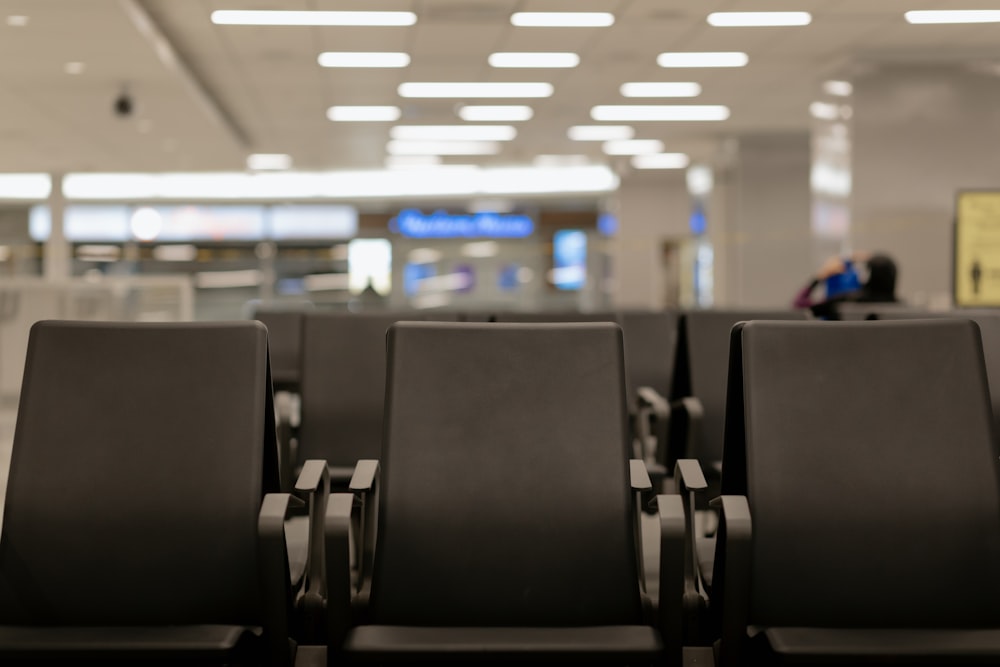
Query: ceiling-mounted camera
{"type": "Point", "coordinates": [124, 105]}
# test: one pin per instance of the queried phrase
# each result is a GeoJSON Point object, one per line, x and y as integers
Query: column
{"type": "Point", "coordinates": [57, 261]}
{"type": "Point", "coordinates": [764, 245]}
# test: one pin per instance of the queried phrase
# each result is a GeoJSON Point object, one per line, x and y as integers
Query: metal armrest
{"type": "Point", "coordinates": [639, 476]}
{"type": "Point", "coordinates": [671, 594]}
{"type": "Point", "coordinates": [690, 481]}
{"type": "Point", "coordinates": [273, 555]}
{"type": "Point", "coordinates": [285, 433]}
{"type": "Point", "coordinates": [364, 485]}
{"type": "Point", "coordinates": [650, 408]}
{"type": "Point", "coordinates": [731, 591]}
{"type": "Point", "coordinates": [337, 543]}
{"type": "Point", "coordinates": [657, 404]}
{"type": "Point", "coordinates": [313, 486]}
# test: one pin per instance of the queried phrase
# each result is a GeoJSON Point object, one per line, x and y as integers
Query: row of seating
{"type": "Point", "coordinates": [144, 517]}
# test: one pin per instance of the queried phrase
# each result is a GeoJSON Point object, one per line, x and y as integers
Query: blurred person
{"type": "Point", "coordinates": [844, 284]}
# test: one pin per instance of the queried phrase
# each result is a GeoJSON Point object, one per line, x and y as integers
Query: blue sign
{"type": "Point", "coordinates": [441, 225]}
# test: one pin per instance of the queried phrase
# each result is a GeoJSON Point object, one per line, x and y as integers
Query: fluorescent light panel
{"type": "Point", "coordinates": [600, 132]}
{"type": "Point", "coordinates": [363, 59]}
{"type": "Point", "coordinates": [474, 89]}
{"type": "Point", "coordinates": [555, 161]}
{"type": "Point", "coordinates": [662, 112]}
{"type": "Point", "coordinates": [758, 19]}
{"type": "Point", "coordinates": [25, 186]}
{"type": "Point", "coordinates": [316, 18]}
{"type": "Point", "coordinates": [453, 132]}
{"type": "Point", "coordinates": [407, 147]}
{"type": "Point", "coordinates": [263, 161]}
{"type": "Point", "coordinates": [838, 88]}
{"type": "Point", "coordinates": [660, 161]}
{"type": "Point", "coordinates": [412, 161]}
{"type": "Point", "coordinates": [364, 113]}
{"type": "Point", "coordinates": [342, 185]}
{"type": "Point", "coordinates": [703, 59]}
{"type": "Point", "coordinates": [541, 60]}
{"type": "Point", "coordinates": [660, 89]}
{"type": "Point", "coordinates": [562, 19]}
{"type": "Point", "coordinates": [953, 16]}
{"type": "Point", "coordinates": [508, 113]}
{"type": "Point", "coordinates": [632, 147]}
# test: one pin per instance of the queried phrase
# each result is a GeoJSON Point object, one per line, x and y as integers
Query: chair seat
{"type": "Point", "coordinates": [847, 643]}
{"type": "Point", "coordinates": [188, 641]}
{"type": "Point", "coordinates": [632, 641]}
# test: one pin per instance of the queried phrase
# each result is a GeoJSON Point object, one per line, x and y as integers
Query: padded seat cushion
{"type": "Point", "coordinates": [847, 643]}
{"type": "Point", "coordinates": [179, 641]}
{"type": "Point", "coordinates": [601, 641]}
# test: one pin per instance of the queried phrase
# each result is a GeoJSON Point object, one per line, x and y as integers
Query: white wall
{"type": "Point", "coordinates": [920, 133]}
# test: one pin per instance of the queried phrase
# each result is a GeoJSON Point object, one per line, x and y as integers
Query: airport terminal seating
{"type": "Point", "coordinates": [698, 391]}
{"type": "Point", "coordinates": [507, 523]}
{"type": "Point", "coordinates": [989, 328]}
{"type": "Point", "coordinates": [860, 497]}
{"type": "Point", "coordinates": [142, 523]}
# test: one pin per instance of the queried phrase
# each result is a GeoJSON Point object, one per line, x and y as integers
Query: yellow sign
{"type": "Point", "coordinates": [977, 249]}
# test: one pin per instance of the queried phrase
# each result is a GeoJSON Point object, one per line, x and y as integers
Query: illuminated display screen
{"type": "Point", "coordinates": [569, 259]}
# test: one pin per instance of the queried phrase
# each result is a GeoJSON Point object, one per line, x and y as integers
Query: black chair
{"type": "Point", "coordinates": [284, 338]}
{"type": "Point", "coordinates": [650, 341]}
{"type": "Point", "coordinates": [343, 388]}
{"type": "Point", "coordinates": [860, 500]}
{"type": "Point", "coordinates": [989, 328]}
{"type": "Point", "coordinates": [489, 546]}
{"type": "Point", "coordinates": [698, 393]}
{"type": "Point", "coordinates": [140, 524]}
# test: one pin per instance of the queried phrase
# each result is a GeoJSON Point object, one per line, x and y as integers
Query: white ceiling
{"type": "Point", "coordinates": [244, 89]}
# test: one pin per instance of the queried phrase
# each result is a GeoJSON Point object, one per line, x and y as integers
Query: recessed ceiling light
{"type": "Point", "coordinates": [74, 67]}
{"type": "Point", "coordinates": [144, 125]}
{"type": "Point", "coordinates": [453, 132]}
{"type": "Point", "coordinates": [474, 89]}
{"type": "Point", "coordinates": [703, 59]}
{"type": "Point", "coordinates": [318, 18]}
{"type": "Point", "coordinates": [364, 113]}
{"type": "Point", "coordinates": [401, 147]}
{"type": "Point", "coordinates": [362, 59]}
{"type": "Point", "coordinates": [509, 112]}
{"type": "Point", "coordinates": [562, 19]}
{"type": "Point", "coordinates": [838, 88]}
{"type": "Point", "coordinates": [269, 161]}
{"type": "Point", "coordinates": [660, 89]}
{"type": "Point", "coordinates": [660, 161]}
{"type": "Point", "coordinates": [663, 112]}
{"type": "Point", "coordinates": [600, 132]}
{"type": "Point", "coordinates": [758, 19]}
{"type": "Point", "coordinates": [632, 147]}
{"type": "Point", "coordinates": [824, 110]}
{"type": "Point", "coordinates": [954, 16]}
{"type": "Point", "coordinates": [17, 20]}
{"type": "Point", "coordinates": [541, 60]}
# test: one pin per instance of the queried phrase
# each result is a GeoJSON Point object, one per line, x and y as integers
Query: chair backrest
{"type": "Point", "coordinates": [702, 365]}
{"type": "Point", "coordinates": [989, 328]}
{"type": "Point", "coordinates": [872, 475]}
{"type": "Point", "coordinates": [555, 316]}
{"type": "Point", "coordinates": [140, 458]}
{"type": "Point", "coordinates": [284, 333]}
{"type": "Point", "coordinates": [650, 340]}
{"type": "Point", "coordinates": [343, 384]}
{"type": "Point", "coordinates": [505, 492]}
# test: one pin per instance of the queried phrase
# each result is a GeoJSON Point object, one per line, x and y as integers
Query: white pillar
{"type": "Point", "coordinates": [57, 259]}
